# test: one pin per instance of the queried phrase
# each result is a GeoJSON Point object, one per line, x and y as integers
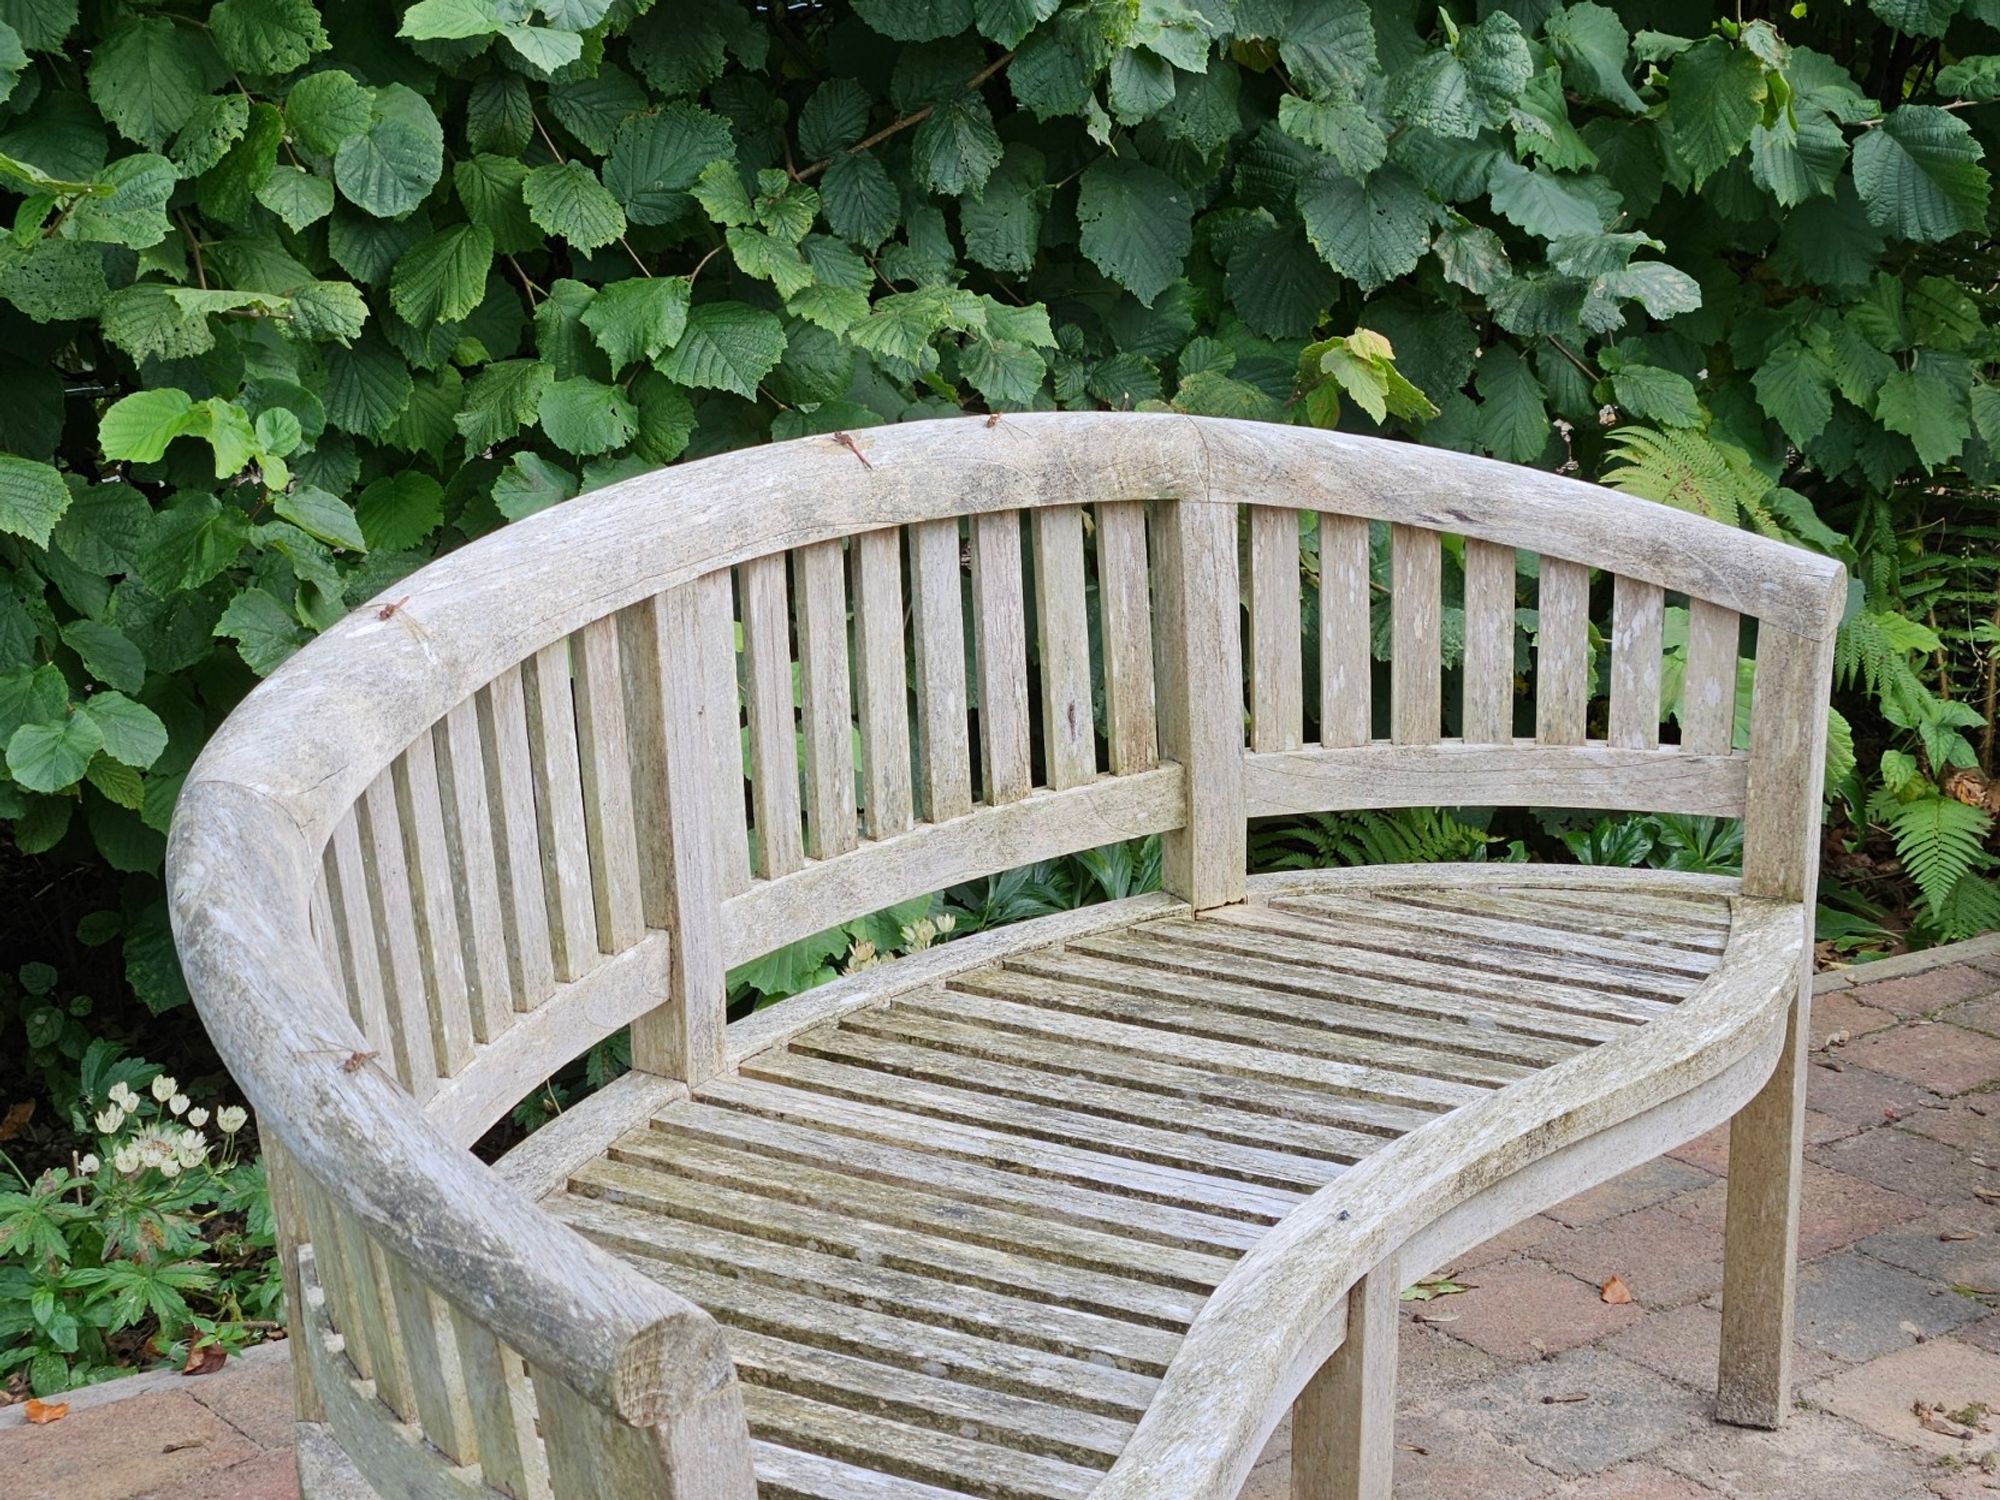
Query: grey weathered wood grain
{"type": "Point", "coordinates": [1277, 672]}
{"type": "Point", "coordinates": [1187, 1142]}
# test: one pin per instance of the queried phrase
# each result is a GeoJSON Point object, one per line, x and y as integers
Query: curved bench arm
{"type": "Point", "coordinates": [239, 894]}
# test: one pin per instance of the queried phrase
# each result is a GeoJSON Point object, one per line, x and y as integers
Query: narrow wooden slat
{"type": "Point", "coordinates": [938, 631]}
{"type": "Point", "coordinates": [913, 1046]}
{"type": "Point", "coordinates": [792, 1474]}
{"type": "Point", "coordinates": [1638, 617]}
{"type": "Point", "coordinates": [469, 835]}
{"type": "Point", "coordinates": [799, 1102]}
{"type": "Point", "coordinates": [1000, 644]}
{"type": "Point", "coordinates": [1489, 644]}
{"type": "Point", "coordinates": [819, 1059]}
{"type": "Point", "coordinates": [326, 1258]}
{"type": "Point", "coordinates": [774, 758]}
{"type": "Point", "coordinates": [1021, 1226]}
{"type": "Point", "coordinates": [1415, 667]}
{"type": "Point", "coordinates": [433, 882]}
{"type": "Point", "coordinates": [517, 851]}
{"type": "Point", "coordinates": [551, 708]}
{"type": "Point", "coordinates": [722, 709]}
{"type": "Point", "coordinates": [819, 575]}
{"type": "Point", "coordinates": [606, 762]}
{"type": "Point", "coordinates": [436, 1381]}
{"type": "Point", "coordinates": [502, 1409]}
{"type": "Point", "coordinates": [1062, 629]}
{"type": "Point", "coordinates": [1038, 1272]}
{"type": "Point", "coordinates": [326, 934]}
{"type": "Point", "coordinates": [354, 928]}
{"type": "Point", "coordinates": [665, 638]}
{"type": "Point", "coordinates": [1136, 1218]}
{"type": "Point", "coordinates": [1277, 671]}
{"type": "Point", "coordinates": [1562, 652]}
{"type": "Point", "coordinates": [1345, 654]}
{"type": "Point", "coordinates": [919, 1453]}
{"type": "Point", "coordinates": [372, 1320]}
{"type": "Point", "coordinates": [881, 681]}
{"type": "Point", "coordinates": [1708, 688]}
{"type": "Point", "coordinates": [393, 908]}
{"type": "Point", "coordinates": [696, 1450]}
{"type": "Point", "coordinates": [632, 1225]}
{"type": "Point", "coordinates": [1201, 676]}
{"type": "Point", "coordinates": [1125, 616]}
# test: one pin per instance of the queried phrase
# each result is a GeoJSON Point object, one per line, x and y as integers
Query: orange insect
{"type": "Point", "coordinates": [389, 609]}
{"type": "Point", "coordinates": [847, 441]}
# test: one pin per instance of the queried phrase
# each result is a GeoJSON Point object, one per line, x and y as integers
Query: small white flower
{"type": "Point", "coordinates": [108, 1120]}
{"type": "Point", "coordinates": [125, 1160]}
{"type": "Point", "coordinates": [123, 1097]}
{"type": "Point", "coordinates": [87, 1164]}
{"type": "Point", "coordinates": [197, 1118]}
{"type": "Point", "coordinates": [944, 922]}
{"type": "Point", "coordinates": [165, 1087]}
{"type": "Point", "coordinates": [170, 1168]}
{"type": "Point", "coordinates": [231, 1118]}
{"type": "Point", "coordinates": [178, 1104]}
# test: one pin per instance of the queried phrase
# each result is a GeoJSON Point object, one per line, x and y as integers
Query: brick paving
{"type": "Point", "coordinates": [1899, 1315]}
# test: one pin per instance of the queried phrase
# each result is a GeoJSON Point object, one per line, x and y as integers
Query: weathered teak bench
{"type": "Point", "coordinates": [1077, 1207]}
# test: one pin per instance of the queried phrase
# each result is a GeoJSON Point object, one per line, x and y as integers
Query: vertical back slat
{"type": "Point", "coordinates": [1346, 708]}
{"type": "Point", "coordinates": [1489, 643]}
{"type": "Point", "coordinates": [502, 1408]}
{"type": "Point", "coordinates": [1277, 669]}
{"type": "Point", "coordinates": [882, 681]}
{"type": "Point", "coordinates": [1000, 642]}
{"type": "Point", "coordinates": [938, 631]}
{"type": "Point", "coordinates": [1125, 611]}
{"type": "Point", "coordinates": [393, 908]}
{"type": "Point", "coordinates": [665, 639]}
{"type": "Point", "coordinates": [820, 575]}
{"type": "Point", "coordinates": [1201, 690]}
{"type": "Point", "coordinates": [774, 751]}
{"type": "Point", "coordinates": [1062, 633]}
{"type": "Point", "coordinates": [723, 708]}
{"type": "Point", "coordinates": [469, 838]}
{"type": "Point", "coordinates": [1708, 688]}
{"type": "Point", "coordinates": [433, 882]}
{"type": "Point", "coordinates": [1415, 694]}
{"type": "Point", "coordinates": [517, 845]}
{"type": "Point", "coordinates": [558, 776]}
{"type": "Point", "coordinates": [354, 931]}
{"type": "Point", "coordinates": [436, 1382]}
{"type": "Point", "coordinates": [1637, 619]}
{"type": "Point", "coordinates": [326, 937]}
{"type": "Point", "coordinates": [372, 1319]}
{"type": "Point", "coordinates": [606, 763]}
{"type": "Point", "coordinates": [1562, 653]}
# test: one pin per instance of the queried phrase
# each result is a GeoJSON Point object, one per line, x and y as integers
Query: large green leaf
{"type": "Point", "coordinates": [1372, 231]}
{"type": "Point", "coordinates": [727, 347]}
{"type": "Point", "coordinates": [566, 199]}
{"type": "Point", "coordinates": [390, 166]}
{"type": "Point", "coordinates": [638, 318]}
{"type": "Point", "coordinates": [1137, 225]}
{"type": "Point", "coordinates": [146, 79]}
{"type": "Point", "coordinates": [1919, 175]}
{"type": "Point", "coordinates": [32, 498]}
{"type": "Point", "coordinates": [1717, 91]}
{"type": "Point", "coordinates": [583, 417]}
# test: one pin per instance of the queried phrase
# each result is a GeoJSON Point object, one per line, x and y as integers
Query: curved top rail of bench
{"type": "Point", "coordinates": [320, 727]}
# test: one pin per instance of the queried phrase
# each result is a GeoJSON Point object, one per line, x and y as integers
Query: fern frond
{"type": "Point", "coordinates": [1938, 841]}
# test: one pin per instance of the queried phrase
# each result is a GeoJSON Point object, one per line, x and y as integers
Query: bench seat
{"type": "Point", "coordinates": [956, 1231]}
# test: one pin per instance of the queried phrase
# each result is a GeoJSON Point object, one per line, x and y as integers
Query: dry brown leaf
{"type": "Point", "coordinates": [205, 1359]}
{"type": "Point", "coordinates": [16, 1119]}
{"type": "Point", "coordinates": [1615, 1291]}
{"type": "Point", "coordinates": [1952, 1236]}
{"type": "Point", "coordinates": [1566, 1398]}
{"type": "Point", "coordinates": [1987, 1194]}
{"type": "Point", "coordinates": [41, 1413]}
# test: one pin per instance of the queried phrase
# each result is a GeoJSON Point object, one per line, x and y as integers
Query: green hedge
{"type": "Point", "coordinates": [297, 295]}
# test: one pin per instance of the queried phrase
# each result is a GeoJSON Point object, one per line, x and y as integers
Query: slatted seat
{"type": "Point", "coordinates": [1076, 1207]}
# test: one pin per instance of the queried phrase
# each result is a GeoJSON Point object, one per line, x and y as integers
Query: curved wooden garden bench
{"type": "Point", "coordinates": [1077, 1207]}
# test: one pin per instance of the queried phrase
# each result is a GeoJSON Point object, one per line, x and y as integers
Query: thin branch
{"type": "Point", "coordinates": [194, 247]}
{"type": "Point", "coordinates": [1564, 350]}
{"type": "Point", "coordinates": [527, 285]}
{"type": "Point", "coordinates": [915, 117]}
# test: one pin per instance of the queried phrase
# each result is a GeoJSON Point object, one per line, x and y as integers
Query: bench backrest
{"type": "Point", "coordinates": [579, 769]}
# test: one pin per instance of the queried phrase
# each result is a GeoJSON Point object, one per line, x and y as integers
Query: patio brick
{"type": "Point", "coordinates": [1664, 1257]}
{"type": "Point", "coordinates": [1838, 1011]}
{"type": "Point", "coordinates": [1624, 1410]}
{"type": "Point", "coordinates": [1837, 1210]}
{"type": "Point", "coordinates": [1922, 994]}
{"type": "Point", "coordinates": [1858, 1308]}
{"type": "Point", "coordinates": [164, 1443]}
{"type": "Point", "coordinates": [1814, 1456]}
{"type": "Point", "coordinates": [1954, 1062]}
{"type": "Point", "coordinates": [1528, 1310]}
{"type": "Point", "coordinates": [1944, 1374]}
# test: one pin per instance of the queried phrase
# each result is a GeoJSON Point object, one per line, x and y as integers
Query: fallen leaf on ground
{"type": "Point", "coordinates": [1931, 1419]}
{"type": "Point", "coordinates": [16, 1119]}
{"type": "Point", "coordinates": [1987, 1194]}
{"type": "Point", "coordinates": [1423, 1316]}
{"type": "Point", "coordinates": [41, 1413]}
{"type": "Point", "coordinates": [1615, 1291]}
{"type": "Point", "coordinates": [1565, 1398]}
{"type": "Point", "coordinates": [205, 1359]}
{"type": "Point", "coordinates": [1435, 1286]}
{"type": "Point", "coordinates": [1951, 1236]}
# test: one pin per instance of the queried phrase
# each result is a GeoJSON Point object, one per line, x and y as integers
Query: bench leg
{"type": "Point", "coordinates": [1344, 1421]}
{"type": "Point", "coordinates": [1760, 1246]}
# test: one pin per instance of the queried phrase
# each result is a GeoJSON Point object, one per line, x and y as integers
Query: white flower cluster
{"type": "Point", "coordinates": [162, 1143]}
